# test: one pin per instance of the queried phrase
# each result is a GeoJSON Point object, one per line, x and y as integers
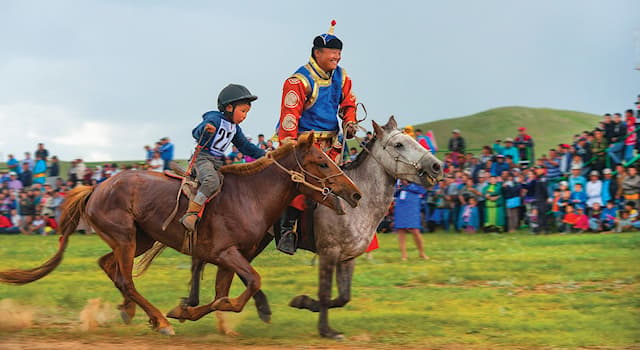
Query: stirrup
{"type": "Point", "coordinates": [186, 223]}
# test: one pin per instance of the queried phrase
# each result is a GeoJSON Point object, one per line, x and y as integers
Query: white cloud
{"type": "Point", "coordinates": [69, 135]}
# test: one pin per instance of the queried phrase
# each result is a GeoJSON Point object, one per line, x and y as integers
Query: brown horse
{"type": "Point", "coordinates": [127, 212]}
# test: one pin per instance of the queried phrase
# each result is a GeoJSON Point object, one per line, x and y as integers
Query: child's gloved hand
{"type": "Point", "coordinates": [210, 128]}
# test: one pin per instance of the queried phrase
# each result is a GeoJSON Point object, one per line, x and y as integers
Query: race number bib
{"type": "Point", "coordinates": [223, 137]}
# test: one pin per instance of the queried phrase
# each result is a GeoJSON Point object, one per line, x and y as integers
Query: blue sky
{"type": "Point", "coordinates": [100, 79]}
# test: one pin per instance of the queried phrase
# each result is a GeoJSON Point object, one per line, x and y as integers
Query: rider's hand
{"type": "Point", "coordinates": [350, 130]}
{"type": "Point", "coordinates": [210, 128]}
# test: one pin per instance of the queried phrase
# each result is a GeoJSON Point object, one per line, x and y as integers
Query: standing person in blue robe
{"type": "Point", "coordinates": [408, 215]}
{"type": "Point", "coordinates": [469, 219]}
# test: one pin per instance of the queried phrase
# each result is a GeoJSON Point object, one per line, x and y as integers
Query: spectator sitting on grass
{"type": "Point", "coordinates": [595, 218]}
{"type": "Point", "coordinates": [574, 220]}
{"type": "Point", "coordinates": [7, 227]}
{"type": "Point", "coordinates": [38, 225]}
{"type": "Point", "coordinates": [624, 224]}
{"type": "Point", "coordinates": [609, 214]}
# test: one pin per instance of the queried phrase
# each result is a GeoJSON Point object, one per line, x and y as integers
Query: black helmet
{"type": "Point", "coordinates": [233, 93]}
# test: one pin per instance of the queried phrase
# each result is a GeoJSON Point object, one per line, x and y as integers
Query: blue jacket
{"type": "Point", "coordinates": [221, 143]}
{"type": "Point", "coordinates": [166, 151]}
{"type": "Point", "coordinates": [498, 168]}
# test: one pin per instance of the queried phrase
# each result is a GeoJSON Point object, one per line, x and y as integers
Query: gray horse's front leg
{"type": "Point", "coordinates": [327, 267]}
{"type": "Point", "coordinates": [344, 275]}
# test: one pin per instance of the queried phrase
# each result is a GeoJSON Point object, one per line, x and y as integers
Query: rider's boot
{"type": "Point", "coordinates": [190, 218]}
{"type": "Point", "coordinates": [288, 238]}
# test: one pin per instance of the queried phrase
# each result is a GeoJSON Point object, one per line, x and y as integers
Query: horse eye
{"type": "Point", "coordinates": [398, 145]}
{"type": "Point", "coordinates": [323, 165]}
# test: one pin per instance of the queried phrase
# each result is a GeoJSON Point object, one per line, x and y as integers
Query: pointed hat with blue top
{"type": "Point", "coordinates": [328, 40]}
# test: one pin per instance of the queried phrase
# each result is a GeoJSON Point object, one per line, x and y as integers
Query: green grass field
{"type": "Point", "coordinates": [476, 291]}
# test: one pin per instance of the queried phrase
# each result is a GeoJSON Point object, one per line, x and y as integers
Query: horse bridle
{"type": "Point", "coordinates": [399, 158]}
{"type": "Point", "coordinates": [299, 177]}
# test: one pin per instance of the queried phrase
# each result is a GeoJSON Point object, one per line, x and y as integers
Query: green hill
{"type": "Point", "coordinates": [548, 127]}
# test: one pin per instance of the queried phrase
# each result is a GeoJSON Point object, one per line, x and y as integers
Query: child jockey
{"type": "Point", "coordinates": [214, 134]}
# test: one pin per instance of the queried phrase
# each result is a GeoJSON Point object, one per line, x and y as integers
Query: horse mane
{"type": "Point", "coordinates": [360, 158]}
{"type": "Point", "coordinates": [258, 164]}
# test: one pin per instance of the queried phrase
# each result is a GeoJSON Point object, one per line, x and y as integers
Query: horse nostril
{"type": "Point", "coordinates": [436, 167]}
{"type": "Point", "coordinates": [356, 196]}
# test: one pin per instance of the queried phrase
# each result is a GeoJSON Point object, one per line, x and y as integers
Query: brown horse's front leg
{"type": "Point", "coordinates": [232, 260]}
{"type": "Point", "coordinates": [224, 277]}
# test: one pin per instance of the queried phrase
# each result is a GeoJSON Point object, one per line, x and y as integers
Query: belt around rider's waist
{"type": "Point", "coordinates": [324, 135]}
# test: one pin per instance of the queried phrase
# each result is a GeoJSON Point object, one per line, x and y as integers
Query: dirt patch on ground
{"type": "Point", "coordinates": [548, 288]}
{"type": "Point", "coordinates": [133, 344]}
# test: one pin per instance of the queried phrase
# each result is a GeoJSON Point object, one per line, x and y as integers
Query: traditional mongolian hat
{"type": "Point", "coordinates": [328, 40]}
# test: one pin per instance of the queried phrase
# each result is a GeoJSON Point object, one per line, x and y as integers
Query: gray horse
{"type": "Point", "coordinates": [391, 155]}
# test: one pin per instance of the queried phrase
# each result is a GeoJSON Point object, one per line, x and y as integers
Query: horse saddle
{"type": "Point", "coordinates": [190, 186]}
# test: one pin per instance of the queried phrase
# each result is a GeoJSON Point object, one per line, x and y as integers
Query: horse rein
{"type": "Point", "coordinates": [300, 178]}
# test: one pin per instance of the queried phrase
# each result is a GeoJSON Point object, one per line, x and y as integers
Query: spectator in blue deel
{"type": "Point", "coordinates": [408, 216]}
{"type": "Point", "coordinates": [499, 166]}
{"type": "Point", "coordinates": [166, 151]}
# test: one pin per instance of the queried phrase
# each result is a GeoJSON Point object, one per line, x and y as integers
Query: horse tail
{"type": "Point", "coordinates": [73, 208]}
{"type": "Point", "coordinates": [143, 264]}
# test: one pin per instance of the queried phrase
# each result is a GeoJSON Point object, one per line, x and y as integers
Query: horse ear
{"type": "Point", "coordinates": [306, 140]}
{"type": "Point", "coordinates": [376, 128]}
{"type": "Point", "coordinates": [391, 124]}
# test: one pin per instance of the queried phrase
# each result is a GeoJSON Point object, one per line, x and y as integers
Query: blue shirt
{"type": "Point", "coordinates": [217, 143]}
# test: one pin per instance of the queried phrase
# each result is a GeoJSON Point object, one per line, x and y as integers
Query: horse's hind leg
{"type": "Point", "coordinates": [124, 255]}
{"type": "Point", "coordinates": [108, 264]}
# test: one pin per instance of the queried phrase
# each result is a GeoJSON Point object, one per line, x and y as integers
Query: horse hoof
{"type": "Point", "coordinates": [125, 317]}
{"type": "Point", "coordinates": [231, 333]}
{"type": "Point", "coordinates": [166, 330]}
{"type": "Point", "coordinates": [331, 334]}
{"type": "Point", "coordinates": [176, 312]}
{"type": "Point", "coordinates": [299, 302]}
{"type": "Point", "coordinates": [266, 318]}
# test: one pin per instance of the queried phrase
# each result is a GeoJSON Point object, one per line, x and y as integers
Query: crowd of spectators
{"type": "Point", "coordinates": [589, 184]}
